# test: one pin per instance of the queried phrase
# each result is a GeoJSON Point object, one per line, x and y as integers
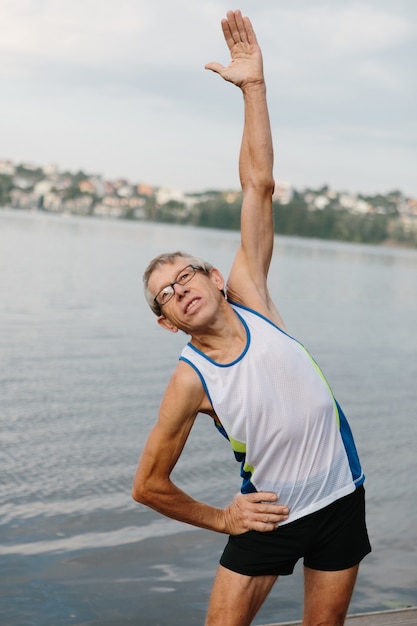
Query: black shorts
{"type": "Point", "coordinates": [334, 538]}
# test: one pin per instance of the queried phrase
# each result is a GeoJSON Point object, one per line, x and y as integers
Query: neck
{"type": "Point", "coordinates": [223, 341]}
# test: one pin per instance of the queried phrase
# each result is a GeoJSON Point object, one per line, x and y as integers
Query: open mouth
{"type": "Point", "coordinates": [191, 305]}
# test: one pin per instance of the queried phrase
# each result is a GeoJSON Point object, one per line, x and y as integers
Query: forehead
{"type": "Point", "coordinates": [166, 274]}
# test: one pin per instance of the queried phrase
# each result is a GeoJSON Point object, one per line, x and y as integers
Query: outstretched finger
{"type": "Point", "coordinates": [249, 32]}
{"type": "Point", "coordinates": [233, 27]}
{"type": "Point", "coordinates": [227, 33]}
{"type": "Point", "coordinates": [239, 28]}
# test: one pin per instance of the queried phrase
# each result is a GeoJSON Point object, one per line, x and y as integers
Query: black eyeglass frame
{"type": "Point", "coordinates": [195, 268]}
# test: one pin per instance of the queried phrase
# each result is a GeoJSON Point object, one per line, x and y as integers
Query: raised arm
{"type": "Point", "coordinates": [247, 282]}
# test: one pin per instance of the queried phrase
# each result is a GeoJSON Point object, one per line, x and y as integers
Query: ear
{"type": "Point", "coordinates": [217, 278]}
{"type": "Point", "coordinates": [167, 324]}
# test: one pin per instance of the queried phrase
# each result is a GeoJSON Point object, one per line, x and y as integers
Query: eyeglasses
{"type": "Point", "coordinates": [182, 278]}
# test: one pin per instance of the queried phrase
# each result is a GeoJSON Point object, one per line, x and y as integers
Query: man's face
{"type": "Point", "coordinates": [192, 304]}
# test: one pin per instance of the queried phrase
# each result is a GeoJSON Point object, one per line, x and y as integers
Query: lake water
{"type": "Point", "coordinates": [83, 368]}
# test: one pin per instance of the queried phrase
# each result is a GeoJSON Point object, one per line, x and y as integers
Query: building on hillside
{"type": "Point", "coordinates": [7, 168]}
{"type": "Point", "coordinates": [165, 194]}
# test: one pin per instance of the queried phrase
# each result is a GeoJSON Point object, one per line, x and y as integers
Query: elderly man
{"type": "Point", "coordinates": [302, 493]}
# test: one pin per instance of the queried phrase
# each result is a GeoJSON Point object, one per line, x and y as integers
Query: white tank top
{"type": "Point", "coordinates": [281, 418]}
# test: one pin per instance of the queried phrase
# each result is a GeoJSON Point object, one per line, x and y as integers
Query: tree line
{"type": "Point", "coordinates": [295, 219]}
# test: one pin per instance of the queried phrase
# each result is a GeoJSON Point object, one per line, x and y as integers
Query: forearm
{"type": "Point", "coordinates": [169, 500]}
{"type": "Point", "coordinates": [256, 154]}
{"type": "Point", "coordinates": [255, 169]}
{"type": "Point", "coordinates": [254, 511]}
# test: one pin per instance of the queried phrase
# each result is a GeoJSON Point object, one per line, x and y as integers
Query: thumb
{"type": "Point", "coordinates": [215, 67]}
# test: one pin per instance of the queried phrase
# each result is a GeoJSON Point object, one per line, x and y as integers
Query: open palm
{"type": "Point", "coordinates": [246, 65]}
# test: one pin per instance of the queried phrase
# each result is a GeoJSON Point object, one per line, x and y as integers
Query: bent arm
{"type": "Point", "coordinates": [153, 486]}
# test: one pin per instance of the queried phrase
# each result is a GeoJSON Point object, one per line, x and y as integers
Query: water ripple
{"type": "Point", "coordinates": [92, 540]}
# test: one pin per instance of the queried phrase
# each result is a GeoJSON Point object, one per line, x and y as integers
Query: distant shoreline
{"type": "Point", "coordinates": [386, 243]}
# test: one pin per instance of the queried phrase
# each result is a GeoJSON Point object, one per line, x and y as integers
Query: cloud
{"type": "Point", "coordinates": [128, 75]}
{"type": "Point", "coordinates": [100, 32]}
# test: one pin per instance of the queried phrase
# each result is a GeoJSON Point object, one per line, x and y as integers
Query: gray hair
{"type": "Point", "coordinates": [164, 259]}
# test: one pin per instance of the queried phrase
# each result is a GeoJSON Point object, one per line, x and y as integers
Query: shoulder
{"type": "Point", "coordinates": [185, 392]}
{"type": "Point", "coordinates": [185, 381]}
{"type": "Point", "coordinates": [256, 307]}
{"type": "Point", "coordinates": [252, 292]}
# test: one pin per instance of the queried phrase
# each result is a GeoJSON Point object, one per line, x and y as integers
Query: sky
{"type": "Point", "coordinates": [118, 88]}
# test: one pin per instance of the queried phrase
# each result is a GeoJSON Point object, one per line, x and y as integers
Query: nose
{"type": "Point", "coordinates": [180, 290]}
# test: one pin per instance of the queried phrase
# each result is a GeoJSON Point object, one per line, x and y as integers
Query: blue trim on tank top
{"type": "Point", "coordinates": [220, 427]}
{"type": "Point", "coordinates": [344, 428]}
{"type": "Point", "coordinates": [200, 375]}
{"type": "Point", "coordinates": [266, 319]}
{"type": "Point", "coordinates": [358, 476]}
{"type": "Point", "coordinates": [239, 358]}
